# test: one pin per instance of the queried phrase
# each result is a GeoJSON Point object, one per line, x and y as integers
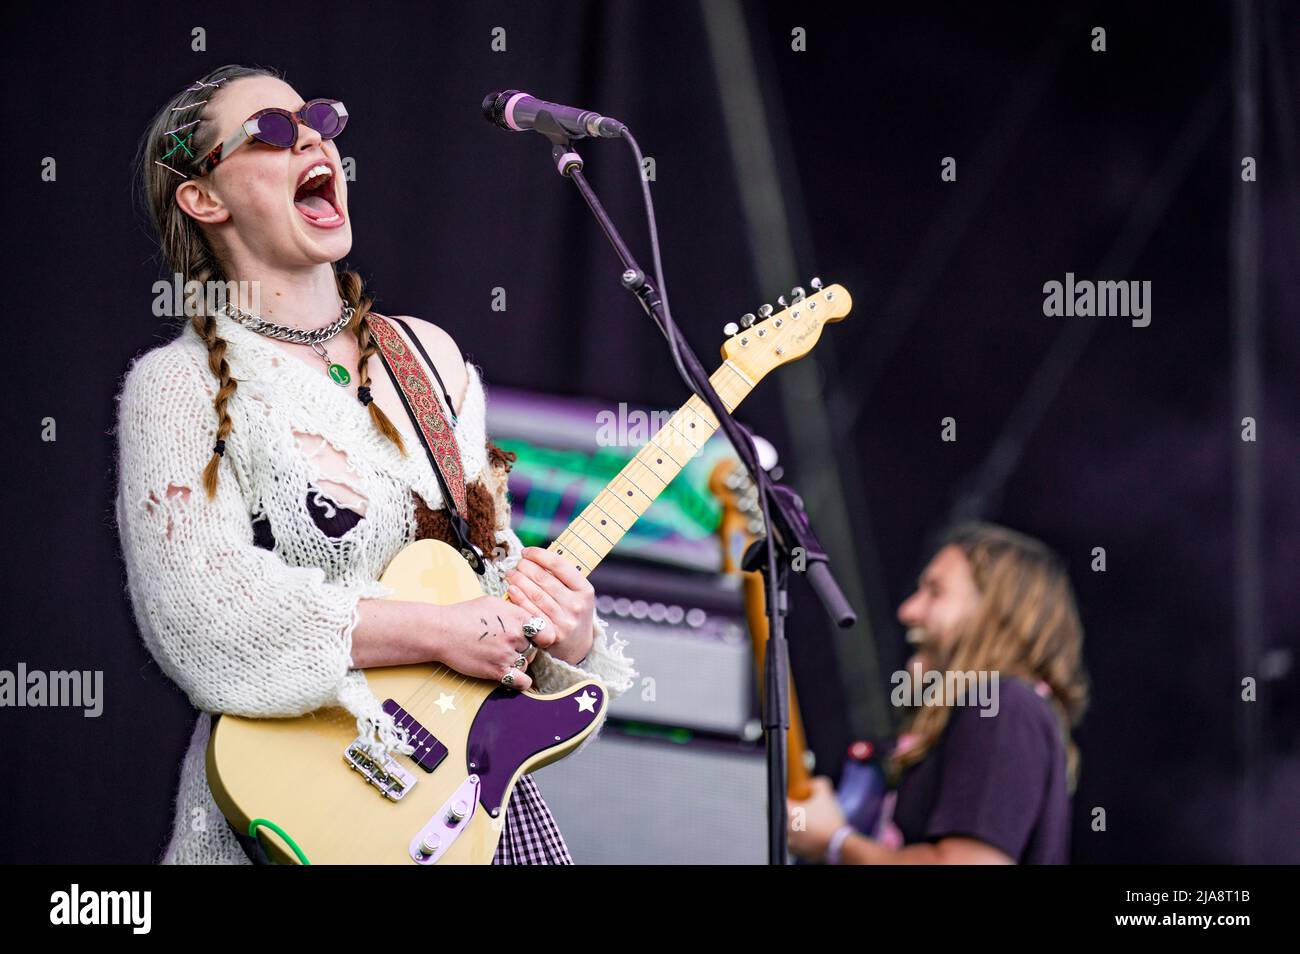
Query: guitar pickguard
{"type": "Point", "coordinates": [513, 726]}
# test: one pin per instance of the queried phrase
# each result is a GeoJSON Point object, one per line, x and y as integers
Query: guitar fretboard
{"type": "Point", "coordinates": [589, 538]}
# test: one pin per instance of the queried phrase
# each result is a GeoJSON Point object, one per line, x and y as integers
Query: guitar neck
{"type": "Point", "coordinates": [589, 538]}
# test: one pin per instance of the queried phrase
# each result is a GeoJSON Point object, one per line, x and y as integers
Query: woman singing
{"type": "Point", "coordinates": [268, 476]}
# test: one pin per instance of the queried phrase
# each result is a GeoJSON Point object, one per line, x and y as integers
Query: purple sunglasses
{"type": "Point", "coordinates": [279, 127]}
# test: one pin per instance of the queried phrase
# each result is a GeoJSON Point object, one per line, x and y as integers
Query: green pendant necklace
{"type": "Point", "coordinates": [338, 374]}
{"type": "Point", "coordinates": [316, 337]}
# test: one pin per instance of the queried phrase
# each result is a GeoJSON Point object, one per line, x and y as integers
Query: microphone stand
{"type": "Point", "coordinates": [789, 539]}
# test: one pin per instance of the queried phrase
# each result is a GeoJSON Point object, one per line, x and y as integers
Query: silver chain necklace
{"type": "Point", "coordinates": [316, 337]}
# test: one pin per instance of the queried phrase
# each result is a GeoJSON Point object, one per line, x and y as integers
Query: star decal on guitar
{"type": "Point", "coordinates": [445, 702]}
{"type": "Point", "coordinates": [586, 702]}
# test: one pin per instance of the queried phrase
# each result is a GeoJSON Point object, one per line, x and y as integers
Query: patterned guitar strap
{"type": "Point", "coordinates": [436, 434]}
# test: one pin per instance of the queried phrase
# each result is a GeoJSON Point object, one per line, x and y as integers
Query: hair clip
{"type": "Point", "coordinates": [180, 144]}
{"type": "Point", "coordinates": [165, 166]}
{"type": "Point", "coordinates": [179, 128]}
{"type": "Point", "coordinates": [199, 84]}
{"type": "Point", "coordinates": [177, 109]}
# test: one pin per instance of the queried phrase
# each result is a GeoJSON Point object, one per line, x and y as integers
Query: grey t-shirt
{"type": "Point", "coordinates": [1001, 779]}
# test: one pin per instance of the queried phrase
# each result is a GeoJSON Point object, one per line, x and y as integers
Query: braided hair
{"type": "Point", "coordinates": [177, 138]}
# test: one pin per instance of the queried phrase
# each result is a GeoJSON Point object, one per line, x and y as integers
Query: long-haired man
{"type": "Point", "coordinates": [976, 783]}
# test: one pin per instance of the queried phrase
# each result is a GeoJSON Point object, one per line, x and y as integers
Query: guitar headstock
{"type": "Point", "coordinates": [770, 339]}
{"type": "Point", "coordinates": [742, 518]}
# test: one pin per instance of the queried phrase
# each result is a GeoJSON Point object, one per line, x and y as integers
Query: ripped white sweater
{"type": "Point", "coordinates": [268, 633]}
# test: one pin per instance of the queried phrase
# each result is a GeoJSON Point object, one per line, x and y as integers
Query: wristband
{"type": "Point", "coordinates": [836, 844]}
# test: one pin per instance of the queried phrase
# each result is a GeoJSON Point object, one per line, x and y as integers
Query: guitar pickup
{"type": "Point", "coordinates": [429, 752]}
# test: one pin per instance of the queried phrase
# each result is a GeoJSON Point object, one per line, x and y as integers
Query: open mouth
{"type": "Point", "coordinates": [315, 199]}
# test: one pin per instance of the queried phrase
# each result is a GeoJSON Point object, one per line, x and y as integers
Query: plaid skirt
{"type": "Point", "coordinates": [530, 836]}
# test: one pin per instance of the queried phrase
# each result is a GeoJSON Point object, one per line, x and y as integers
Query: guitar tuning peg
{"type": "Point", "coordinates": [730, 328]}
{"type": "Point", "coordinates": [816, 283]}
{"type": "Point", "coordinates": [747, 319]}
{"type": "Point", "coordinates": [780, 300]}
{"type": "Point", "coordinates": [765, 311]}
{"type": "Point", "coordinates": [798, 294]}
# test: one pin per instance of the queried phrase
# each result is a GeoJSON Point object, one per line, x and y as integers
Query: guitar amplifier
{"type": "Point", "coordinates": [686, 633]}
{"type": "Point", "coordinates": [631, 799]}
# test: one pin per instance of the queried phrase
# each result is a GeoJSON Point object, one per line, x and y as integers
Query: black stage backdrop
{"type": "Point", "coordinates": [1119, 164]}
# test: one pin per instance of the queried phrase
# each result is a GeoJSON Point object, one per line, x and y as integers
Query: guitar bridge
{"type": "Point", "coordinates": [391, 779]}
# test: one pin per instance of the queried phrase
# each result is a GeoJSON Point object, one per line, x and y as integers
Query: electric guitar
{"type": "Point", "coordinates": [862, 782]}
{"type": "Point", "coordinates": [741, 525]}
{"type": "Point", "coordinates": [308, 787]}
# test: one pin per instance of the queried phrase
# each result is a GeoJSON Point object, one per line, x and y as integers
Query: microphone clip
{"type": "Point", "coordinates": [563, 154]}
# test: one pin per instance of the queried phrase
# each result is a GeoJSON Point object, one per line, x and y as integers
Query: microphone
{"type": "Point", "coordinates": [516, 111]}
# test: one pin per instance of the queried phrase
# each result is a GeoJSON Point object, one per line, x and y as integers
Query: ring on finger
{"type": "Point", "coordinates": [521, 662]}
{"type": "Point", "coordinates": [509, 678]}
{"type": "Point", "coordinates": [534, 626]}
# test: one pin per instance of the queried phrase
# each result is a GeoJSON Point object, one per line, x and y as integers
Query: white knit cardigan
{"type": "Point", "coordinates": [268, 633]}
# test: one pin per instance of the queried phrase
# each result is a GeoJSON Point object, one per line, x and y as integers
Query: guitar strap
{"type": "Point", "coordinates": [436, 433]}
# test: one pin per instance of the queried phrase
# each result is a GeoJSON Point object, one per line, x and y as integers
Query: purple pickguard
{"type": "Point", "coordinates": [511, 727]}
